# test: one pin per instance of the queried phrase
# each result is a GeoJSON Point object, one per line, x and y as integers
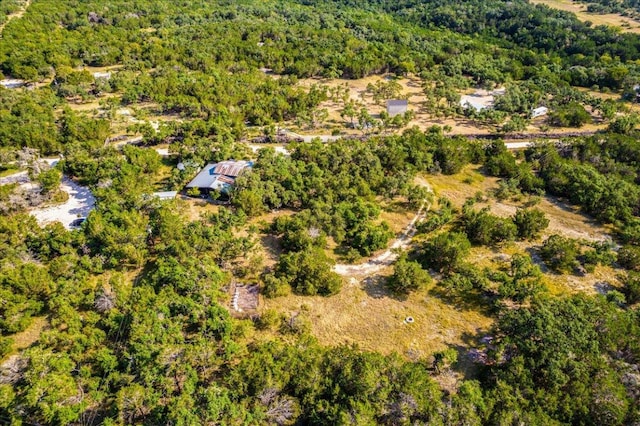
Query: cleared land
{"type": "Point", "coordinates": [564, 219]}
{"type": "Point", "coordinates": [366, 314]}
{"type": "Point", "coordinates": [412, 90]}
{"type": "Point", "coordinates": [28, 337]}
{"type": "Point", "coordinates": [579, 9]}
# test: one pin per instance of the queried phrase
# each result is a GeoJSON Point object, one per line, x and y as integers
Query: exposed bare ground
{"type": "Point", "coordinates": [194, 208]}
{"type": "Point", "coordinates": [625, 24]}
{"type": "Point", "coordinates": [79, 204]}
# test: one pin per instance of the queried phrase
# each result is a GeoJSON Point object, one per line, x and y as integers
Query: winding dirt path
{"type": "Point", "coordinates": [16, 15]}
{"type": "Point", "coordinates": [386, 258]}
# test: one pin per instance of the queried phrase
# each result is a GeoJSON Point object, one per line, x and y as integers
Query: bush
{"type": "Point", "coordinates": [6, 344]}
{"type": "Point", "coordinates": [631, 288]}
{"type": "Point", "coordinates": [629, 257]}
{"type": "Point", "coordinates": [446, 251]}
{"type": "Point", "coordinates": [530, 223]}
{"type": "Point", "coordinates": [275, 287]}
{"type": "Point", "coordinates": [484, 228]}
{"type": "Point", "coordinates": [407, 276]}
{"type": "Point", "coordinates": [560, 253]}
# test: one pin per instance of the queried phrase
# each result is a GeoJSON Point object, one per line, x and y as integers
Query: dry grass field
{"type": "Point", "coordinates": [564, 219]}
{"type": "Point", "coordinates": [580, 9]}
{"type": "Point", "coordinates": [364, 313]}
{"type": "Point", "coordinates": [412, 89]}
{"type": "Point", "coordinates": [26, 338]}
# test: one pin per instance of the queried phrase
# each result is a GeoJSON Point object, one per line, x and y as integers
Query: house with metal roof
{"type": "Point", "coordinates": [397, 106]}
{"type": "Point", "coordinates": [218, 177]}
{"type": "Point", "coordinates": [539, 112]}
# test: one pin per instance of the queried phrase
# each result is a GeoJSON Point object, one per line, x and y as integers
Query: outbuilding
{"type": "Point", "coordinates": [397, 106]}
{"type": "Point", "coordinates": [165, 195]}
{"type": "Point", "coordinates": [539, 112]}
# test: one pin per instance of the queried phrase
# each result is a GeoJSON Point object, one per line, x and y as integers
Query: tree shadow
{"type": "Point", "coordinates": [397, 206]}
{"type": "Point", "coordinates": [473, 300]}
{"type": "Point", "coordinates": [375, 287]}
{"type": "Point", "coordinates": [534, 254]}
{"type": "Point", "coordinates": [272, 246]}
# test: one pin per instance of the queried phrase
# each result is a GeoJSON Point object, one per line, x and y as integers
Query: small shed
{"type": "Point", "coordinates": [397, 106]}
{"type": "Point", "coordinates": [539, 112]}
{"type": "Point", "coordinates": [12, 83]}
{"type": "Point", "coordinates": [474, 102]}
{"type": "Point", "coordinates": [165, 195]}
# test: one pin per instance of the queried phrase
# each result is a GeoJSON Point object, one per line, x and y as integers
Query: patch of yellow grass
{"type": "Point", "coordinates": [28, 337]}
{"type": "Point", "coordinates": [564, 219]}
{"type": "Point", "coordinates": [463, 185]}
{"type": "Point", "coordinates": [195, 208]}
{"type": "Point", "coordinates": [364, 313]}
{"type": "Point", "coordinates": [397, 216]}
{"type": "Point", "coordinates": [579, 9]}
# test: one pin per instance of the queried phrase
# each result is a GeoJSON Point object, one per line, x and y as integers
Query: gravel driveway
{"type": "Point", "coordinates": [79, 204]}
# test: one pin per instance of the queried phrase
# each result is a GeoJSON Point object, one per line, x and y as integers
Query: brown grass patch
{"type": "Point", "coordinates": [564, 219]}
{"type": "Point", "coordinates": [195, 208]}
{"type": "Point", "coordinates": [28, 337]}
{"type": "Point", "coordinates": [412, 89]}
{"type": "Point", "coordinates": [580, 10]}
{"type": "Point", "coordinates": [364, 313]}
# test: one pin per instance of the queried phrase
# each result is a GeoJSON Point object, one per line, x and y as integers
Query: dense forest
{"type": "Point", "coordinates": [136, 298]}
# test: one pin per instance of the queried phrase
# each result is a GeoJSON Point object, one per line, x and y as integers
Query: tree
{"type": "Point", "coordinates": [624, 124]}
{"type": "Point", "coordinates": [530, 223]}
{"type": "Point", "coordinates": [407, 276]}
{"type": "Point", "coordinates": [349, 111]}
{"type": "Point", "coordinates": [570, 115]}
{"type": "Point", "coordinates": [418, 196]}
{"type": "Point", "coordinates": [560, 253]}
{"type": "Point", "coordinates": [484, 228]}
{"type": "Point", "coordinates": [523, 281]}
{"type": "Point", "coordinates": [49, 180]}
{"type": "Point", "coordinates": [629, 257]}
{"type": "Point", "coordinates": [308, 272]}
{"type": "Point", "coordinates": [446, 251]}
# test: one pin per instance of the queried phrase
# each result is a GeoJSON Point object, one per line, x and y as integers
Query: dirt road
{"type": "Point", "coordinates": [385, 259]}
{"type": "Point", "coordinates": [16, 15]}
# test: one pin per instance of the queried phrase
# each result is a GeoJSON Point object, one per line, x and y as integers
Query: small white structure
{"type": "Point", "coordinates": [12, 83]}
{"type": "Point", "coordinates": [166, 195]}
{"type": "Point", "coordinates": [481, 99]}
{"type": "Point", "coordinates": [102, 75]}
{"type": "Point", "coordinates": [539, 112]}
{"type": "Point", "coordinates": [397, 106]}
{"type": "Point", "coordinates": [467, 102]}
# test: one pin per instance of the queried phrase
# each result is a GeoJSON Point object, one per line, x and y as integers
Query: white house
{"type": "Point", "coordinates": [539, 112]}
{"type": "Point", "coordinates": [397, 106]}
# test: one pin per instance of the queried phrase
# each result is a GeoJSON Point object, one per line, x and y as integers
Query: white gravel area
{"type": "Point", "coordinates": [19, 177]}
{"type": "Point", "coordinates": [79, 204]}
